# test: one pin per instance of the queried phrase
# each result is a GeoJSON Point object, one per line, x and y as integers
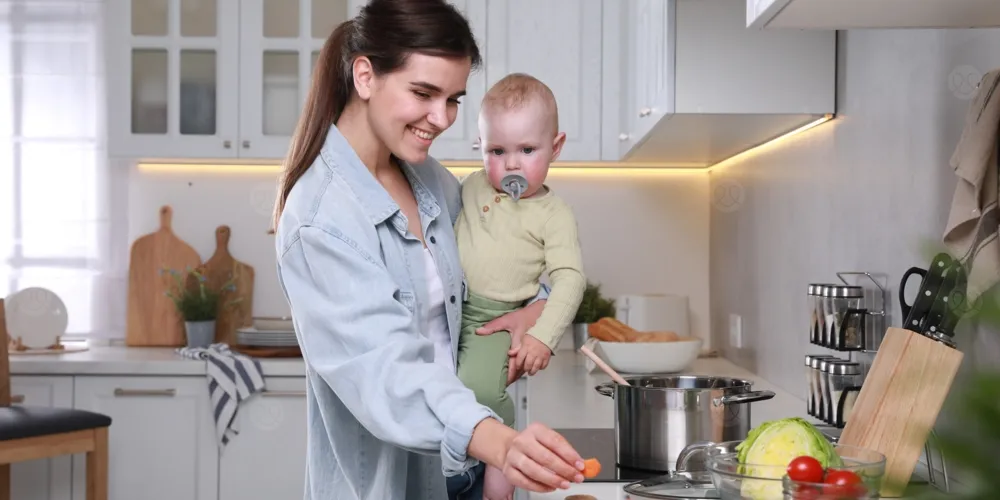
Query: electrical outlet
{"type": "Point", "coordinates": [736, 331]}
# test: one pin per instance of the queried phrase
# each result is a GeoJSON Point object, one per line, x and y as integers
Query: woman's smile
{"type": "Point", "coordinates": [423, 137]}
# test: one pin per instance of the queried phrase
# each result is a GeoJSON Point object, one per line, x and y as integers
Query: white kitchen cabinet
{"type": "Point", "coordinates": [268, 458]}
{"type": "Point", "coordinates": [162, 440]}
{"type": "Point", "coordinates": [558, 42]}
{"type": "Point", "coordinates": [699, 87]}
{"type": "Point", "coordinates": [219, 79]}
{"type": "Point", "coordinates": [46, 479]}
{"type": "Point", "coordinates": [864, 14]}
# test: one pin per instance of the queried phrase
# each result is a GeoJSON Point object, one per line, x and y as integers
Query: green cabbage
{"type": "Point", "coordinates": [776, 443]}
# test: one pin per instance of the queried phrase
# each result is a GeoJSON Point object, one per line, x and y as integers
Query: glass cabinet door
{"type": "Point", "coordinates": [179, 98]}
{"type": "Point", "coordinates": [280, 41]}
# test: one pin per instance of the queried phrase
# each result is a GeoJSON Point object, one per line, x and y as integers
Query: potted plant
{"type": "Point", "coordinates": [593, 307]}
{"type": "Point", "coordinates": [198, 305]}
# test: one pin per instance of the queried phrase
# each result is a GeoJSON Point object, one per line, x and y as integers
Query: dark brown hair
{"type": "Point", "coordinates": [385, 31]}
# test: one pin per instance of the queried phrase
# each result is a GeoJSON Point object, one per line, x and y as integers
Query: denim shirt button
{"type": "Point", "coordinates": [433, 240]}
{"type": "Point", "coordinates": [452, 299]}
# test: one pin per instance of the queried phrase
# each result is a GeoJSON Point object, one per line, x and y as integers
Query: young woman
{"type": "Point", "coordinates": [367, 260]}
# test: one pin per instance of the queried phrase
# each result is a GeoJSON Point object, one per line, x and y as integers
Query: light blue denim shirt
{"type": "Point", "coordinates": [385, 422]}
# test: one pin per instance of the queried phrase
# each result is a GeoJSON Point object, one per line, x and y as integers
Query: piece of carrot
{"type": "Point", "coordinates": [591, 468]}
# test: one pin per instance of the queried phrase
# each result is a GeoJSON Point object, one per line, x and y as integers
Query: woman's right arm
{"type": "Point", "coordinates": [364, 344]}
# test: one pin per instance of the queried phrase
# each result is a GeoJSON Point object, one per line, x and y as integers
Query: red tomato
{"type": "Point", "coordinates": [803, 492]}
{"type": "Point", "coordinates": [844, 484]}
{"type": "Point", "coordinates": [805, 469]}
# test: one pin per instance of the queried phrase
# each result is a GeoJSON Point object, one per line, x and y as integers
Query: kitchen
{"type": "Point", "coordinates": [710, 225]}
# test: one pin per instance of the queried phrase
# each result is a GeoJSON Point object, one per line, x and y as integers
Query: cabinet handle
{"type": "Point", "coordinates": [622, 137]}
{"type": "Point", "coordinates": [246, 144]}
{"type": "Point", "coordinates": [524, 403]}
{"type": "Point", "coordinates": [145, 392]}
{"type": "Point", "coordinates": [283, 394]}
{"type": "Point", "coordinates": [227, 144]}
{"type": "Point", "coordinates": [17, 398]}
{"type": "Point", "coordinates": [645, 112]}
{"type": "Point", "coordinates": [475, 146]}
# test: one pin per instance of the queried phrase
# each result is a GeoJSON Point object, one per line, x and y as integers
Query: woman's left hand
{"type": "Point", "coordinates": [517, 323]}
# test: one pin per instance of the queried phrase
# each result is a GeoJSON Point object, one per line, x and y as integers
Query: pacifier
{"type": "Point", "coordinates": [514, 185]}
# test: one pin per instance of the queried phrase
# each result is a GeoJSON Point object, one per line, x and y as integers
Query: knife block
{"type": "Point", "coordinates": [899, 402]}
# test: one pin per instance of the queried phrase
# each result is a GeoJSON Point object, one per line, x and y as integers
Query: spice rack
{"type": "Point", "coordinates": [851, 321]}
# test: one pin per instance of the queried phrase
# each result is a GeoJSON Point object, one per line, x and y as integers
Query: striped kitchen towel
{"type": "Point", "coordinates": [232, 378]}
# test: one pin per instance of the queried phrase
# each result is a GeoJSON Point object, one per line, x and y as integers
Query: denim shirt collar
{"type": "Point", "coordinates": [375, 200]}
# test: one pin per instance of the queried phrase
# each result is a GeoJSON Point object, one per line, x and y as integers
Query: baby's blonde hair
{"type": "Point", "coordinates": [517, 90]}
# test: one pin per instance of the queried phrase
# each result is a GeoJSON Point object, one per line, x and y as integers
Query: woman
{"type": "Point", "coordinates": [368, 262]}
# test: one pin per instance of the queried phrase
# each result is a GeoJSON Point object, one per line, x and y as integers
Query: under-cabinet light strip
{"type": "Point", "coordinates": [465, 167]}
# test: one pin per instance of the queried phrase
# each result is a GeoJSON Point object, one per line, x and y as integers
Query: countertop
{"type": "Point", "coordinates": [121, 360]}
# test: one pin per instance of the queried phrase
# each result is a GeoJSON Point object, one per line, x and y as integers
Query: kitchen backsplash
{"type": "Point", "coordinates": [866, 192]}
{"type": "Point", "coordinates": [641, 232]}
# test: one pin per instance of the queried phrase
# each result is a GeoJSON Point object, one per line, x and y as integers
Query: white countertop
{"type": "Point", "coordinates": [121, 360]}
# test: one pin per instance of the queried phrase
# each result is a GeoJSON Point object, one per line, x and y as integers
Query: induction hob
{"type": "Point", "coordinates": [600, 444]}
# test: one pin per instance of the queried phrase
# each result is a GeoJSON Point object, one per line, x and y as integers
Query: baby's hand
{"type": "Point", "coordinates": [532, 355]}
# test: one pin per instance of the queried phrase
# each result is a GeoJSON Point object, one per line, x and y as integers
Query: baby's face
{"type": "Point", "coordinates": [522, 141]}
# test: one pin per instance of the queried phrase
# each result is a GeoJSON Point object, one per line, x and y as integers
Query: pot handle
{"type": "Point", "coordinates": [690, 451]}
{"type": "Point", "coordinates": [746, 397]}
{"type": "Point", "coordinates": [605, 389]}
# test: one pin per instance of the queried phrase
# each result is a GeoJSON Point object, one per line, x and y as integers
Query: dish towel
{"type": "Point", "coordinates": [232, 378]}
{"type": "Point", "coordinates": [971, 232]}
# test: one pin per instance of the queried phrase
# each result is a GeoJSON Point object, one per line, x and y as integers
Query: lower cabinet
{"type": "Point", "coordinates": [162, 443]}
{"type": "Point", "coordinates": [46, 479]}
{"type": "Point", "coordinates": [268, 458]}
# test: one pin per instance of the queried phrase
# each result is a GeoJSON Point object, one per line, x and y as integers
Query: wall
{"type": "Point", "coordinates": [641, 233]}
{"type": "Point", "coordinates": [867, 191]}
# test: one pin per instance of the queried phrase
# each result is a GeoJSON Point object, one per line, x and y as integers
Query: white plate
{"type": "Point", "coordinates": [36, 315]}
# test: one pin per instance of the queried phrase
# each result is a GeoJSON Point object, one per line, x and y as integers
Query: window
{"type": "Point", "coordinates": [55, 184]}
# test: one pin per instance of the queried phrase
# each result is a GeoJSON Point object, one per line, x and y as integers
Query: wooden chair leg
{"type": "Point", "coordinates": [97, 467]}
{"type": "Point", "coordinates": [5, 482]}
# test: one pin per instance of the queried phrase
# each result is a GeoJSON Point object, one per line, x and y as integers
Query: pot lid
{"type": "Point", "coordinates": [675, 486]}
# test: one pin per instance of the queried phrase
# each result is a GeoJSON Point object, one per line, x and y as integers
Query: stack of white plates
{"type": "Point", "coordinates": [266, 338]}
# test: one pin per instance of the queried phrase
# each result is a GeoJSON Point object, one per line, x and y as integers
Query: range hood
{"type": "Point", "coordinates": [871, 14]}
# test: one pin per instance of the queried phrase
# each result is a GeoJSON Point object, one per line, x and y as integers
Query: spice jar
{"type": "Point", "coordinates": [812, 383]}
{"type": "Point", "coordinates": [844, 381]}
{"type": "Point", "coordinates": [815, 304]}
{"type": "Point", "coordinates": [843, 298]}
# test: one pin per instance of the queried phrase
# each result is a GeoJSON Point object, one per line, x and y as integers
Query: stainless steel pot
{"type": "Point", "coordinates": [658, 416]}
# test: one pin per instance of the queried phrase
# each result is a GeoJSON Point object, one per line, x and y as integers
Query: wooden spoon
{"type": "Point", "coordinates": [604, 366]}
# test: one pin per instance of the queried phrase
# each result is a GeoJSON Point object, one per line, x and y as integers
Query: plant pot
{"type": "Point", "coordinates": [200, 333]}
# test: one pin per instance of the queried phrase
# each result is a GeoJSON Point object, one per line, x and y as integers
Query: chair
{"type": "Point", "coordinates": [29, 433]}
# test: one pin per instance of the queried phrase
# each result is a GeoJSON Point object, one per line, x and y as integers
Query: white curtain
{"type": "Point", "coordinates": [57, 192]}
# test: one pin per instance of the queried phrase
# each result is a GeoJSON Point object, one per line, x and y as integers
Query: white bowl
{"type": "Point", "coordinates": [641, 358]}
{"type": "Point", "coordinates": [273, 324]}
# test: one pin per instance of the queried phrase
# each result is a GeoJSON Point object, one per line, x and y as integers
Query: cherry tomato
{"type": "Point", "coordinates": [805, 469]}
{"type": "Point", "coordinates": [803, 492]}
{"type": "Point", "coordinates": [844, 484]}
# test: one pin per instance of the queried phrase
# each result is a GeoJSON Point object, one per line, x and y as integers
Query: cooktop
{"type": "Point", "coordinates": [600, 444]}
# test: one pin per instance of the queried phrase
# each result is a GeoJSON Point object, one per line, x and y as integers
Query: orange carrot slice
{"type": "Point", "coordinates": [591, 468]}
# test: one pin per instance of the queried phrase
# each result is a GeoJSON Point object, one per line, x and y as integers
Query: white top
{"type": "Point", "coordinates": [435, 318]}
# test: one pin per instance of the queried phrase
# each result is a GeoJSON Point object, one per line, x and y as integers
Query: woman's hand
{"type": "Point", "coordinates": [536, 459]}
{"type": "Point", "coordinates": [517, 323]}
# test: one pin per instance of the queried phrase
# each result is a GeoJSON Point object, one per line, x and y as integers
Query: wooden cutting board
{"type": "Point", "coordinates": [152, 319]}
{"type": "Point", "coordinates": [218, 269]}
{"type": "Point", "coordinates": [899, 402]}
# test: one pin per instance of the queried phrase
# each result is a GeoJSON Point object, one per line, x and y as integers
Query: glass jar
{"type": "Point", "coordinates": [826, 413]}
{"type": "Point", "coordinates": [843, 298]}
{"type": "Point", "coordinates": [815, 306]}
{"type": "Point", "coordinates": [813, 383]}
{"type": "Point", "coordinates": [844, 380]}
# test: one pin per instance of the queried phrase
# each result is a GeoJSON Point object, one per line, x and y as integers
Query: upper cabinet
{"type": "Point", "coordinates": [698, 87]}
{"type": "Point", "coordinates": [671, 82]}
{"type": "Point", "coordinates": [859, 14]}
{"type": "Point", "coordinates": [211, 78]}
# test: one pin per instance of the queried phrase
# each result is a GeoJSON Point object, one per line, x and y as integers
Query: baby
{"type": "Point", "coordinates": [512, 228]}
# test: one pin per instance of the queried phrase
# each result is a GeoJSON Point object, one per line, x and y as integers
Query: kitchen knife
{"type": "Point", "coordinates": [950, 306]}
{"type": "Point", "coordinates": [927, 293]}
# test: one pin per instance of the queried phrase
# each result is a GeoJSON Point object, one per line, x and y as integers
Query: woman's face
{"type": "Point", "coordinates": [410, 107]}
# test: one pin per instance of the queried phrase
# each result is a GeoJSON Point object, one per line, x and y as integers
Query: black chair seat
{"type": "Point", "coordinates": [19, 422]}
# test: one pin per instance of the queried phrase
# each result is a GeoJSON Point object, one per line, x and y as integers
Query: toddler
{"type": "Point", "coordinates": [512, 228]}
